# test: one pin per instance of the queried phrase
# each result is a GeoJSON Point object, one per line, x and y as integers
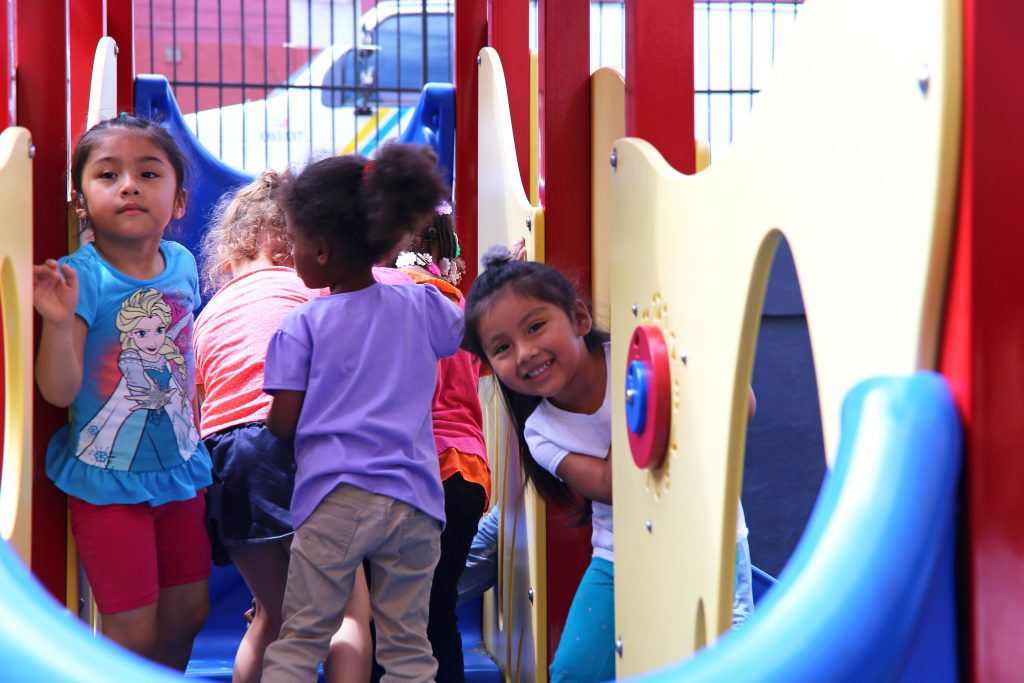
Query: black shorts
{"type": "Point", "coordinates": [254, 475]}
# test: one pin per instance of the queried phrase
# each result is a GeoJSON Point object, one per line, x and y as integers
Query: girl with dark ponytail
{"type": "Point", "coordinates": [352, 375]}
{"type": "Point", "coordinates": [525, 320]}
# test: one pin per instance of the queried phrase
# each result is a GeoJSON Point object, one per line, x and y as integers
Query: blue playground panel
{"type": "Point", "coordinates": [761, 583]}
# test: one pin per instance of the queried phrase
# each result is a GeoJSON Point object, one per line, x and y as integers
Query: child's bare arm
{"type": "Point", "coordinates": [62, 343]}
{"type": "Point", "coordinates": [587, 475]}
{"type": "Point", "coordinates": [284, 413]}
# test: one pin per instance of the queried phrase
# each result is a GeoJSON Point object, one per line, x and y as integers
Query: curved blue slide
{"type": "Point", "coordinates": [868, 595]}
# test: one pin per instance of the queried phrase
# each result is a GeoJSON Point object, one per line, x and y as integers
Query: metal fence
{"type": "Point", "coordinates": [275, 82]}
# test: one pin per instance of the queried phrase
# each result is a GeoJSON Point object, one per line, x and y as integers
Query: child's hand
{"type": "Point", "coordinates": [518, 250]}
{"type": "Point", "coordinates": [55, 291]}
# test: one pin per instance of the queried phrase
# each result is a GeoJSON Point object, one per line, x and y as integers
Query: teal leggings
{"type": "Point", "coordinates": [586, 652]}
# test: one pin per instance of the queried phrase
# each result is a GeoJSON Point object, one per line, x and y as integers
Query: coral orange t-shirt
{"type": "Point", "coordinates": [230, 339]}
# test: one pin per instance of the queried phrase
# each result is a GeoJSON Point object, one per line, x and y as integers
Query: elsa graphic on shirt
{"type": "Point", "coordinates": [146, 424]}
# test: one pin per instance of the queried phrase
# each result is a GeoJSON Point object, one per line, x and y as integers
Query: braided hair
{"type": "Point", "coordinates": [440, 232]}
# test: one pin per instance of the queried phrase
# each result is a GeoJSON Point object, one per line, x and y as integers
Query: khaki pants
{"type": "Point", "coordinates": [402, 545]}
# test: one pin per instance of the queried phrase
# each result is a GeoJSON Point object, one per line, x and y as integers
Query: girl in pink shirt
{"type": "Point", "coordinates": [247, 263]}
{"type": "Point", "coordinates": [434, 257]}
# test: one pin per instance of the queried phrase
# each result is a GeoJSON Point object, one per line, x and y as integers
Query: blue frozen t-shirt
{"type": "Point", "coordinates": [132, 436]}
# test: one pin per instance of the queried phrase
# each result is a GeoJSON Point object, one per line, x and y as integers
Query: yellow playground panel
{"type": "Point", "coordinates": [16, 304]}
{"type": "Point", "coordinates": [608, 124]}
{"type": "Point", "coordinates": [514, 619]}
{"type": "Point", "coordinates": [864, 195]}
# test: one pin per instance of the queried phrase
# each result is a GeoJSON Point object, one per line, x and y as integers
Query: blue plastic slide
{"type": "Point", "coordinates": [869, 593]}
{"type": "Point", "coordinates": [433, 123]}
{"type": "Point", "coordinates": [208, 177]}
{"type": "Point", "coordinates": [41, 641]}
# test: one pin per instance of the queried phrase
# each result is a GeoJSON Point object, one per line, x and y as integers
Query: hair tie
{"type": "Point", "coordinates": [367, 169]}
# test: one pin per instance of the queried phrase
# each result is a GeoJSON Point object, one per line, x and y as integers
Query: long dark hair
{"type": "Point", "coordinates": [366, 206]}
{"type": "Point", "coordinates": [536, 281]}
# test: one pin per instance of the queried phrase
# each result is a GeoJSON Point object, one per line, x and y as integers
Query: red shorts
{"type": "Point", "coordinates": [130, 551]}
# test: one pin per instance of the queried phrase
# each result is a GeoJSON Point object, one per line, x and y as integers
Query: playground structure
{"type": "Point", "coordinates": [873, 578]}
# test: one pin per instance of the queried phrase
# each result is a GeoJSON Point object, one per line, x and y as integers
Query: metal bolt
{"type": "Point", "coordinates": [614, 158]}
{"type": "Point", "coordinates": [650, 526]}
{"type": "Point", "coordinates": [618, 646]}
{"type": "Point", "coordinates": [529, 595]}
{"type": "Point", "coordinates": [529, 223]}
{"type": "Point", "coordinates": [31, 151]}
{"type": "Point", "coordinates": [117, 50]}
{"type": "Point", "coordinates": [479, 60]}
{"type": "Point", "coordinates": [635, 308]}
{"type": "Point", "coordinates": [924, 78]}
{"type": "Point", "coordinates": [682, 357]}
{"type": "Point", "coordinates": [630, 396]}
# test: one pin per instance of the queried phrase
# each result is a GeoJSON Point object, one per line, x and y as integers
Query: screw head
{"type": "Point", "coordinates": [634, 308]}
{"type": "Point", "coordinates": [529, 223]}
{"type": "Point", "coordinates": [650, 526]}
{"type": "Point", "coordinates": [924, 78]}
{"type": "Point", "coordinates": [31, 151]}
{"type": "Point", "coordinates": [529, 595]}
{"type": "Point", "coordinates": [618, 646]}
{"type": "Point", "coordinates": [479, 60]}
{"type": "Point", "coordinates": [614, 158]}
{"type": "Point", "coordinates": [683, 357]}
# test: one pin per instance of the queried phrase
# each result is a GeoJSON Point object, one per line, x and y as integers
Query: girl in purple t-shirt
{"type": "Point", "coordinates": [352, 375]}
{"type": "Point", "coordinates": [247, 267]}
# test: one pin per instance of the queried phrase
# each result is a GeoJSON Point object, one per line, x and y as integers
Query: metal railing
{"type": "Point", "coordinates": [273, 82]}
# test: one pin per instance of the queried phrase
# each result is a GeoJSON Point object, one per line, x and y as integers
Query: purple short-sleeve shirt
{"type": "Point", "coordinates": [367, 362]}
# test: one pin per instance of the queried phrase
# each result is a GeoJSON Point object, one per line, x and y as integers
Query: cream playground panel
{"type": "Point", "coordinates": [608, 124]}
{"type": "Point", "coordinates": [515, 613]}
{"type": "Point", "coordinates": [851, 154]}
{"type": "Point", "coordinates": [16, 153]}
{"type": "Point", "coordinates": [103, 87]}
{"type": "Point", "coordinates": [102, 106]}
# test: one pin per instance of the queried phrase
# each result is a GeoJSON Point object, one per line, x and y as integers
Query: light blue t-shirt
{"type": "Point", "coordinates": [367, 362]}
{"type": "Point", "coordinates": [132, 437]}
